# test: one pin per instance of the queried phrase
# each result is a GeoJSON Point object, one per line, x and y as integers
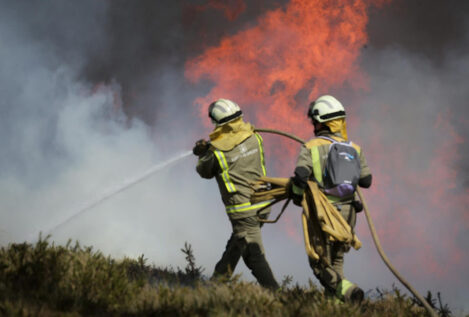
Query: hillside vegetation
{"type": "Point", "coordinates": [44, 279]}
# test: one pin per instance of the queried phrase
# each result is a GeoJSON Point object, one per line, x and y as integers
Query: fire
{"type": "Point", "coordinates": [292, 55]}
{"type": "Point", "coordinates": [308, 46]}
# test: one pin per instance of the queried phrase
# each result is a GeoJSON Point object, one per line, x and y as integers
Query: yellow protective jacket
{"type": "Point", "coordinates": [235, 169]}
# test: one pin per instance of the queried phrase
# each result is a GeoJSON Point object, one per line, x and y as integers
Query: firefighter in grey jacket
{"type": "Point", "coordinates": [328, 117]}
{"type": "Point", "coordinates": [235, 157]}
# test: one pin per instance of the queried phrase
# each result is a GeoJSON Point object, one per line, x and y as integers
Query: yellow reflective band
{"type": "Point", "coordinates": [316, 164]}
{"type": "Point", "coordinates": [342, 288]}
{"type": "Point", "coordinates": [224, 166]}
{"type": "Point", "coordinates": [238, 206]}
{"type": "Point", "coordinates": [259, 140]}
{"type": "Point", "coordinates": [245, 207]}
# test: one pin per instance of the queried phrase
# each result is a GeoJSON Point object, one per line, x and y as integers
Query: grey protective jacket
{"type": "Point", "coordinates": [234, 170]}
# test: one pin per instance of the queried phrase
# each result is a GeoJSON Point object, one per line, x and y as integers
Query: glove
{"type": "Point", "coordinates": [201, 147]}
{"type": "Point", "coordinates": [357, 205]}
{"type": "Point", "coordinates": [297, 199]}
{"type": "Point", "coordinates": [295, 196]}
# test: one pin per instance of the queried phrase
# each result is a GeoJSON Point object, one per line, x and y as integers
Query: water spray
{"type": "Point", "coordinates": [119, 188]}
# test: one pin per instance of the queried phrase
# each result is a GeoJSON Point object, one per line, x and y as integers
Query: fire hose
{"type": "Point", "coordinates": [370, 225]}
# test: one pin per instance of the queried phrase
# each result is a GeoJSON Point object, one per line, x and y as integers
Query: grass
{"type": "Point", "coordinates": [45, 279]}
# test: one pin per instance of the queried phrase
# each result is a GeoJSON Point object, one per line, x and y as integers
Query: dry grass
{"type": "Point", "coordinates": [71, 280]}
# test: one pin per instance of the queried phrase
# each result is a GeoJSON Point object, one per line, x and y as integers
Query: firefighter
{"type": "Point", "coordinates": [235, 157]}
{"type": "Point", "coordinates": [328, 117]}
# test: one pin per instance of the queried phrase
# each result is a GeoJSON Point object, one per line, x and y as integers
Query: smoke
{"type": "Point", "coordinates": [413, 123]}
{"type": "Point", "coordinates": [71, 131]}
{"type": "Point", "coordinates": [433, 38]}
{"type": "Point", "coordinates": [410, 129]}
{"type": "Point", "coordinates": [94, 92]}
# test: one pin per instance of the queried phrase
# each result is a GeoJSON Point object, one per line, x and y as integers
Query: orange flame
{"type": "Point", "coordinates": [291, 56]}
{"type": "Point", "coordinates": [309, 46]}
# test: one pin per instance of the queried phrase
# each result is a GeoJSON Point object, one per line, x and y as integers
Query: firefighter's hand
{"type": "Point", "coordinates": [294, 194]}
{"type": "Point", "coordinates": [357, 205]}
{"type": "Point", "coordinates": [201, 147]}
{"type": "Point", "coordinates": [297, 199]}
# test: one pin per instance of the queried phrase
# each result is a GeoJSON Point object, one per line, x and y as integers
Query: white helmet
{"type": "Point", "coordinates": [223, 111]}
{"type": "Point", "coordinates": [326, 108]}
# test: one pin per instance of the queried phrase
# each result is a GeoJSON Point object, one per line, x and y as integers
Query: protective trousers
{"type": "Point", "coordinates": [246, 242]}
{"type": "Point", "coordinates": [331, 276]}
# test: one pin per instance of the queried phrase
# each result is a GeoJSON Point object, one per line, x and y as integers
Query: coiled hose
{"type": "Point", "coordinates": [372, 231]}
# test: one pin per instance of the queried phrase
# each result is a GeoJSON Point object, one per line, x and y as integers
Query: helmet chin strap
{"type": "Point", "coordinates": [319, 126]}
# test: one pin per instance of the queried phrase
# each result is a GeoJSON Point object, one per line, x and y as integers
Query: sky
{"type": "Point", "coordinates": [97, 92]}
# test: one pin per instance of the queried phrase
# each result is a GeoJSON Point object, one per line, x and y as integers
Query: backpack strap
{"type": "Point", "coordinates": [327, 138]}
{"type": "Point", "coordinates": [334, 141]}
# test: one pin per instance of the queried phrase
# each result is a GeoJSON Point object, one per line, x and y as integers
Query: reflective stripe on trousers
{"type": "Point", "coordinates": [344, 290]}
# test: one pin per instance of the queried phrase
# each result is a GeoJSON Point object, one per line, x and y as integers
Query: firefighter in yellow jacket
{"type": "Point", "coordinates": [328, 117]}
{"type": "Point", "coordinates": [235, 157]}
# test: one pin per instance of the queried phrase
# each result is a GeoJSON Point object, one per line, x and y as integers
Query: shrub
{"type": "Point", "coordinates": [48, 280]}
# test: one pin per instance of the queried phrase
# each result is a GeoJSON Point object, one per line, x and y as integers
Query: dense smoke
{"type": "Point", "coordinates": [413, 120]}
{"type": "Point", "coordinates": [94, 92]}
{"type": "Point", "coordinates": [69, 131]}
{"type": "Point", "coordinates": [435, 37]}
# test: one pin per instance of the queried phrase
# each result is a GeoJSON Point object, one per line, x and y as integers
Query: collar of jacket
{"type": "Point", "coordinates": [227, 136]}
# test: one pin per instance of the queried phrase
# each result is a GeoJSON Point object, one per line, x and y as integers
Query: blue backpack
{"type": "Point", "coordinates": [342, 170]}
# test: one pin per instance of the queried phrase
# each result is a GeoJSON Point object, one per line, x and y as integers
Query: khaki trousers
{"type": "Point", "coordinates": [330, 277]}
{"type": "Point", "coordinates": [246, 242]}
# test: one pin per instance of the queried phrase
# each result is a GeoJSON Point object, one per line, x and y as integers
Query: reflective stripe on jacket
{"type": "Point", "coordinates": [234, 170]}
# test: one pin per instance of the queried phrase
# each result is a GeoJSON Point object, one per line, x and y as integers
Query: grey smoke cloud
{"type": "Point", "coordinates": [65, 140]}
{"type": "Point", "coordinates": [414, 139]}
{"type": "Point", "coordinates": [93, 92]}
{"type": "Point", "coordinates": [434, 35]}
{"type": "Point", "coordinates": [68, 134]}
{"type": "Point", "coordinates": [413, 125]}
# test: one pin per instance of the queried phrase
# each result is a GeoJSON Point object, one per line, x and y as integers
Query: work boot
{"type": "Point", "coordinates": [357, 296]}
{"type": "Point", "coordinates": [331, 297]}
